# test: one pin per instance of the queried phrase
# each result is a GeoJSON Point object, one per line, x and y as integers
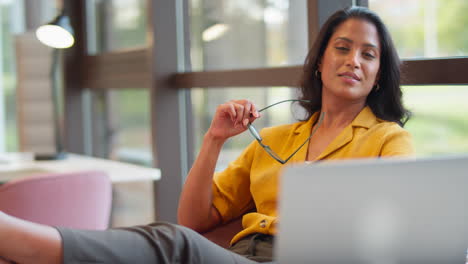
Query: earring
{"type": "Point", "coordinates": [317, 74]}
{"type": "Point", "coordinates": [377, 87]}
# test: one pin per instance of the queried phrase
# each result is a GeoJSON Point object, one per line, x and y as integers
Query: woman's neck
{"type": "Point", "coordinates": [340, 115]}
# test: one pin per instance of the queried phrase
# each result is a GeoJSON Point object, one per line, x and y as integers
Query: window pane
{"type": "Point", "coordinates": [116, 24]}
{"type": "Point", "coordinates": [124, 132]}
{"type": "Point", "coordinates": [11, 23]}
{"type": "Point", "coordinates": [426, 28]}
{"type": "Point", "coordinates": [205, 101]}
{"type": "Point", "coordinates": [132, 114]}
{"type": "Point", "coordinates": [231, 34]}
{"type": "Point", "coordinates": [440, 118]}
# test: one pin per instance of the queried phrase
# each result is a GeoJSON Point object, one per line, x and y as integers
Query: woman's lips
{"type": "Point", "coordinates": [349, 77]}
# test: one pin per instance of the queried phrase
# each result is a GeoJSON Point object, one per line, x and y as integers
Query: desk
{"type": "Point", "coordinates": [132, 185]}
{"type": "Point", "coordinates": [117, 171]}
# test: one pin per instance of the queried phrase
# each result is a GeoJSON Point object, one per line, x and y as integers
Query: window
{"type": "Point", "coordinates": [132, 139]}
{"type": "Point", "coordinates": [122, 126]}
{"type": "Point", "coordinates": [426, 28]}
{"type": "Point", "coordinates": [116, 24]}
{"type": "Point", "coordinates": [232, 34]}
{"type": "Point", "coordinates": [11, 22]}
{"type": "Point", "coordinates": [440, 119]}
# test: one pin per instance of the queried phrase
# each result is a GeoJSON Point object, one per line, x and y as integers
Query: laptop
{"type": "Point", "coordinates": [384, 211]}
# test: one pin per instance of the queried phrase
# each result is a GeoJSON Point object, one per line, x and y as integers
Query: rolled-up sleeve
{"type": "Point", "coordinates": [231, 187]}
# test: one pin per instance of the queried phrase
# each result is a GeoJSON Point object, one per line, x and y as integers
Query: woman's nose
{"type": "Point", "coordinates": [352, 60]}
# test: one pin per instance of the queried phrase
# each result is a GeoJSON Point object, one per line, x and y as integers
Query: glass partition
{"type": "Point", "coordinates": [440, 119]}
{"type": "Point", "coordinates": [233, 34]}
{"type": "Point", "coordinates": [11, 23]}
{"type": "Point", "coordinates": [121, 126]}
{"type": "Point", "coordinates": [116, 24]}
{"type": "Point", "coordinates": [426, 28]}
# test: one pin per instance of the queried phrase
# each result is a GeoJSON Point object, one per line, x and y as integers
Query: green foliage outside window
{"type": "Point", "coordinates": [439, 124]}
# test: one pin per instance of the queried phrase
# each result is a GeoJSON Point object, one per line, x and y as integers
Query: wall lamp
{"type": "Point", "coordinates": [58, 33]}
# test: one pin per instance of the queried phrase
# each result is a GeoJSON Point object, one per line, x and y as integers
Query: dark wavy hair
{"type": "Point", "coordinates": [385, 102]}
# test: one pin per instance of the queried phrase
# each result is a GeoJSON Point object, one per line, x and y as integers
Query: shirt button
{"type": "Point", "coordinates": [263, 223]}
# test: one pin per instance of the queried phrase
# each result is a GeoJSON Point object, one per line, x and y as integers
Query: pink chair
{"type": "Point", "coordinates": [77, 200]}
{"type": "Point", "coordinates": [222, 235]}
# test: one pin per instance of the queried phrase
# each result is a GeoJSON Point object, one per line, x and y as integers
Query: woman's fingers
{"type": "Point", "coordinates": [241, 112]}
{"type": "Point", "coordinates": [249, 114]}
{"type": "Point", "coordinates": [227, 110]}
{"type": "Point", "coordinates": [232, 118]}
{"type": "Point", "coordinates": [246, 116]}
{"type": "Point", "coordinates": [232, 112]}
{"type": "Point", "coordinates": [254, 111]}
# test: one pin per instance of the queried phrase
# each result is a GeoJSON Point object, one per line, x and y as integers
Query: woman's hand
{"type": "Point", "coordinates": [231, 118]}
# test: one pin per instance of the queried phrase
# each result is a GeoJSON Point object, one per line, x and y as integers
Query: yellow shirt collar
{"type": "Point", "coordinates": [365, 119]}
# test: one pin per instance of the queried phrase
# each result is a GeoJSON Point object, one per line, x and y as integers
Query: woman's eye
{"type": "Point", "coordinates": [342, 48]}
{"type": "Point", "coordinates": [369, 55]}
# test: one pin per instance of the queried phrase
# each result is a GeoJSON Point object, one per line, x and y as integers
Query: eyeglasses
{"type": "Point", "coordinates": [267, 148]}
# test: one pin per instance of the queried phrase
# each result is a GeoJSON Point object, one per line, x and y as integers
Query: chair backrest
{"type": "Point", "coordinates": [76, 200]}
{"type": "Point", "coordinates": [222, 235]}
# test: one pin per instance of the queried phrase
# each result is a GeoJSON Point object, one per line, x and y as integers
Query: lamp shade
{"type": "Point", "coordinates": [57, 34]}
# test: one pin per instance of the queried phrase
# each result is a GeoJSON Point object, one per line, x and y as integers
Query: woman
{"type": "Point", "coordinates": [351, 79]}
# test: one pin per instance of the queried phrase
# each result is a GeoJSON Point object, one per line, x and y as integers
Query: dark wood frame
{"type": "Point", "coordinates": [120, 69]}
{"type": "Point", "coordinates": [100, 74]}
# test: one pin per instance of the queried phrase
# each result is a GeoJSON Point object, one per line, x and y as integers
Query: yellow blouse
{"type": "Point", "coordinates": [249, 186]}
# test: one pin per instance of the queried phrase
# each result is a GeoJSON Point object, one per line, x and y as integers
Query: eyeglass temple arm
{"type": "Point", "coordinates": [273, 154]}
{"type": "Point", "coordinates": [254, 132]}
{"type": "Point", "coordinates": [322, 115]}
{"type": "Point", "coordinates": [288, 100]}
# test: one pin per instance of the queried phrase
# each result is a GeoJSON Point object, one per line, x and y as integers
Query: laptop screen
{"type": "Point", "coordinates": [375, 211]}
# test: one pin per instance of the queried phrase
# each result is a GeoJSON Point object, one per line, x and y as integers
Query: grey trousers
{"type": "Point", "coordinates": [155, 243]}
